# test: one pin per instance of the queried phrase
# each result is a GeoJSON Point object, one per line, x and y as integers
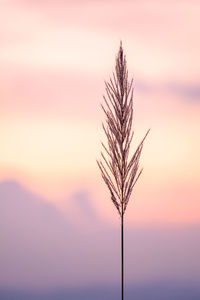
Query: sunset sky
{"type": "Point", "coordinates": [54, 58]}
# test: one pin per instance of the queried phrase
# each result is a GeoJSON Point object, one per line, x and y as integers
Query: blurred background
{"type": "Point", "coordinates": [59, 231]}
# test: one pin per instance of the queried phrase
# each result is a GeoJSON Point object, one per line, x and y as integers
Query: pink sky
{"type": "Point", "coordinates": [54, 58]}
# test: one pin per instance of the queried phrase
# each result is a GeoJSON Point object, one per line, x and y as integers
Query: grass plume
{"type": "Point", "coordinates": [119, 170]}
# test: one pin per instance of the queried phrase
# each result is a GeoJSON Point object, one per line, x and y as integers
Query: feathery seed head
{"type": "Point", "coordinates": [119, 171]}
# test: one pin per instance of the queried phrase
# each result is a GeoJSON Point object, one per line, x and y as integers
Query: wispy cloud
{"type": "Point", "coordinates": [185, 91]}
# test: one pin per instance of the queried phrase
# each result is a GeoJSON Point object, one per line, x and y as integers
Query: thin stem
{"type": "Point", "coordinates": [122, 257]}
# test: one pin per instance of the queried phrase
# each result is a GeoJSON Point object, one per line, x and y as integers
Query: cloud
{"type": "Point", "coordinates": [187, 91]}
{"type": "Point", "coordinates": [178, 89]}
{"type": "Point", "coordinates": [40, 248]}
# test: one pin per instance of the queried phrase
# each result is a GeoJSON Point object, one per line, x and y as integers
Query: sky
{"type": "Point", "coordinates": [54, 59]}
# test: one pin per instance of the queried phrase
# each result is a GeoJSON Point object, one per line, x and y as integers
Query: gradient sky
{"type": "Point", "coordinates": [54, 58]}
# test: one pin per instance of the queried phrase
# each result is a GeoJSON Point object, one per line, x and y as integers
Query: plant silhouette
{"type": "Point", "coordinates": [120, 170]}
